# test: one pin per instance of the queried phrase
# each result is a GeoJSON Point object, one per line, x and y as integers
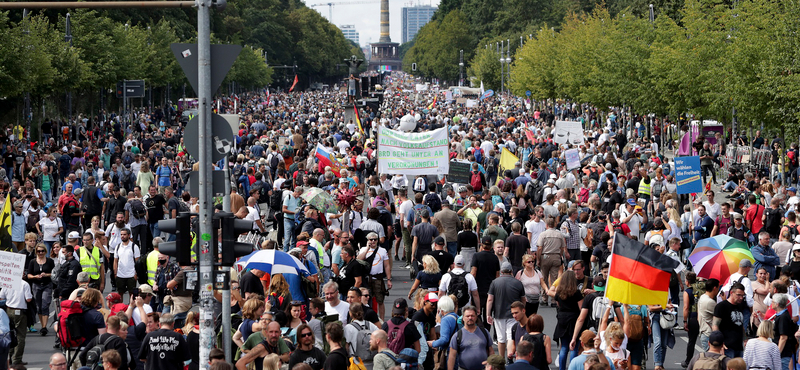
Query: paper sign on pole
{"type": "Point", "coordinates": [687, 175]}
{"type": "Point", "coordinates": [413, 153]}
{"type": "Point", "coordinates": [471, 103]}
{"type": "Point", "coordinates": [573, 159]}
{"type": "Point", "coordinates": [11, 267]}
{"type": "Point", "coordinates": [568, 132]}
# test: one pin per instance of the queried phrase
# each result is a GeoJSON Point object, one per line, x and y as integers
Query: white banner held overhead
{"type": "Point", "coordinates": [11, 267]}
{"type": "Point", "coordinates": [417, 153]}
{"type": "Point", "coordinates": [568, 132]}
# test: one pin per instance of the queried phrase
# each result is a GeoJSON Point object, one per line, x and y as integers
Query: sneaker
{"type": "Point", "coordinates": [31, 329]}
{"type": "Point", "coordinates": [684, 364]}
{"type": "Point", "coordinates": [43, 332]}
{"type": "Point", "coordinates": [57, 346]}
{"type": "Point", "coordinates": [407, 267]}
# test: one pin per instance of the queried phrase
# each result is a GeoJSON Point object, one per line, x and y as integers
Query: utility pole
{"type": "Point", "coordinates": [28, 112]}
{"type": "Point", "coordinates": [68, 39]}
{"type": "Point", "coordinates": [461, 68]}
{"type": "Point", "coordinates": [502, 73]}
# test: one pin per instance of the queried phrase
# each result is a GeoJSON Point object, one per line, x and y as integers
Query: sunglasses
{"type": "Point", "coordinates": [529, 262]}
{"type": "Point", "coordinates": [372, 239]}
{"type": "Point", "coordinates": [41, 251]}
{"type": "Point", "coordinates": [305, 335]}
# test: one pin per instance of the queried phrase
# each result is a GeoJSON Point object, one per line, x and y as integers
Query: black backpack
{"type": "Point", "coordinates": [772, 221]}
{"type": "Point", "coordinates": [458, 286]}
{"type": "Point", "coordinates": [490, 165]}
{"type": "Point", "coordinates": [432, 200]}
{"type": "Point", "coordinates": [793, 232]}
{"type": "Point", "coordinates": [33, 219]}
{"type": "Point", "coordinates": [276, 200]}
{"type": "Point", "coordinates": [137, 208]}
{"type": "Point", "coordinates": [94, 359]}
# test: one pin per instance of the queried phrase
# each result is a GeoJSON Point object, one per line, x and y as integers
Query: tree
{"type": "Point", "coordinates": [437, 46]}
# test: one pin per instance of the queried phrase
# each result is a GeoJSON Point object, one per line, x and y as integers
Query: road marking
{"type": "Point", "coordinates": [696, 346]}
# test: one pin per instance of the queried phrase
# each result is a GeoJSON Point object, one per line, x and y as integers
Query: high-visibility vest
{"type": "Point", "coordinates": [91, 263]}
{"type": "Point", "coordinates": [152, 266]}
{"type": "Point", "coordinates": [644, 188]}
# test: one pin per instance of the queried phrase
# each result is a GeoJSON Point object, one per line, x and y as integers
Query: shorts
{"type": "Point", "coordinates": [502, 327]}
{"type": "Point", "coordinates": [378, 289]}
{"type": "Point", "coordinates": [126, 285]}
{"type": "Point", "coordinates": [637, 351]}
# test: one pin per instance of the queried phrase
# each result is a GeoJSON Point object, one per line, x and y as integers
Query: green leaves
{"type": "Point", "coordinates": [437, 46]}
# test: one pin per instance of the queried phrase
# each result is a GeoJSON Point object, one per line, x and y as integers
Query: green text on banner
{"type": "Point", "coordinates": [413, 153]}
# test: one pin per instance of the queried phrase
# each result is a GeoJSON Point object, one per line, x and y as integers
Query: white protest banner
{"type": "Point", "coordinates": [413, 153]}
{"type": "Point", "coordinates": [568, 132]}
{"type": "Point", "coordinates": [11, 267]}
{"type": "Point", "coordinates": [472, 103]}
{"type": "Point", "coordinates": [573, 159]}
{"type": "Point", "coordinates": [421, 87]}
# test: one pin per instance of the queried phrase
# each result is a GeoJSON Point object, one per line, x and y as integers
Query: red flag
{"type": "Point", "coordinates": [293, 84]}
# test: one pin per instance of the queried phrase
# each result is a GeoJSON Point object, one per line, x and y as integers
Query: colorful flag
{"type": "Point", "coordinates": [638, 275]}
{"type": "Point", "coordinates": [507, 162]}
{"type": "Point", "coordinates": [293, 84]}
{"type": "Point", "coordinates": [358, 119]}
{"type": "Point", "coordinates": [686, 142]}
{"type": "Point", "coordinates": [5, 226]}
{"type": "Point", "coordinates": [326, 158]}
{"type": "Point", "coordinates": [434, 102]}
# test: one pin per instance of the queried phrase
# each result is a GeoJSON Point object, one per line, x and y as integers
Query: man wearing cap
{"type": "Point", "coordinates": [738, 230]}
{"type": "Point", "coordinates": [503, 291]}
{"type": "Point", "coordinates": [380, 269]}
{"type": "Point", "coordinates": [470, 297]}
{"type": "Point", "coordinates": [716, 341]}
{"type": "Point", "coordinates": [635, 217]}
{"type": "Point", "coordinates": [444, 258]}
{"type": "Point", "coordinates": [427, 317]}
{"type": "Point", "coordinates": [71, 211]}
{"type": "Point", "coordinates": [399, 321]}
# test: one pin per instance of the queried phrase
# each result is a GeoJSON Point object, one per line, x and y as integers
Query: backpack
{"type": "Point", "coordinates": [434, 202]}
{"type": "Point", "coordinates": [793, 232]}
{"type": "Point", "coordinates": [407, 359]}
{"type": "Point", "coordinates": [182, 206]}
{"type": "Point", "coordinates": [356, 364]}
{"type": "Point", "coordinates": [94, 359]}
{"type": "Point", "coordinates": [490, 165]}
{"type": "Point", "coordinates": [362, 342]}
{"type": "Point", "coordinates": [772, 221]}
{"type": "Point", "coordinates": [588, 241]}
{"type": "Point", "coordinates": [238, 170]}
{"type": "Point", "coordinates": [127, 180]}
{"type": "Point", "coordinates": [33, 219]}
{"type": "Point", "coordinates": [419, 184]}
{"type": "Point", "coordinates": [458, 286]}
{"type": "Point", "coordinates": [127, 159]}
{"type": "Point", "coordinates": [137, 208]}
{"type": "Point", "coordinates": [396, 340]}
{"type": "Point", "coordinates": [709, 363]}
{"type": "Point", "coordinates": [70, 325]}
{"type": "Point", "coordinates": [475, 181]}
{"type": "Point", "coordinates": [460, 336]}
{"type": "Point", "coordinates": [599, 305]}
{"type": "Point", "coordinates": [636, 327]}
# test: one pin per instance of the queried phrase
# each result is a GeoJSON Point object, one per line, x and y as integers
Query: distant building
{"type": "Point", "coordinates": [350, 32]}
{"type": "Point", "coordinates": [414, 18]}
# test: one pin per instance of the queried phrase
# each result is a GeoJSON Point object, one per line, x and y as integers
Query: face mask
{"type": "Point", "coordinates": [616, 348]}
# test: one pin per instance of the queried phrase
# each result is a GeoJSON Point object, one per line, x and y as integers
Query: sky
{"type": "Point", "coordinates": [365, 15]}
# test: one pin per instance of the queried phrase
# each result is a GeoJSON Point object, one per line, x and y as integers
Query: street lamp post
{"type": "Point", "coordinates": [68, 39]}
{"type": "Point", "coordinates": [502, 69]}
{"type": "Point", "coordinates": [28, 112]}
{"type": "Point", "coordinates": [461, 68]}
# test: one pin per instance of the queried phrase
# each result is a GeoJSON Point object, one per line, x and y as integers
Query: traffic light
{"type": "Point", "coordinates": [230, 229]}
{"type": "Point", "coordinates": [414, 67]}
{"type": "Point", "coordinates": [181, 248]}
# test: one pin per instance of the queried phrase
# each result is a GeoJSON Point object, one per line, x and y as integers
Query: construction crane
{"type": "Point", "coordinates": [330, 6]}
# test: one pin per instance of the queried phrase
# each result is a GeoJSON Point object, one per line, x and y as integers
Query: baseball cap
{"type": "Point", "coordinates": [599, 283]}
{"type": "Point", "coordinates": [486, 240]}
{"type": "Point", "coordinates": [631, 202]}
{"type": "Point", "coordinates": [439, 240]}
{"type": "Point", "coordinates": [716, 338]}
{"type": "Point", "coordinates": [114, 297]}
{"type": "Point", "coordinates": [792, 189]}
{"type": "Point", "coordinates": [399, 307]}
{"type": "Point", "coordinates": [77, 191]}
{"type": "Point", "coordinates": [431, 297]}
{"type": "Point", "coordinates": [746, 263]}
{"type": "Point", "coordinates": [506, 267]}
{"type": "Point", "coordinates": [495, 361]}
{"type": "Point", "coordinates": [73, 235]}
{"type": "Point", "coordinates": [146, 289]}
{"type": "Point", "coordinates": [458, 260]}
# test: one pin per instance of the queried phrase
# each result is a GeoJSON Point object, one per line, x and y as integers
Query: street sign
{"type": "Point", "coordinates": [222, 58]}
{"type": "Point", "coordinates": [218, 179]}
{"type": "Point", "coordinates": [233, 120]}
{"type": "Point", "coordinates": [528, 93]}
{"type": "Point", "coordinates": [130, 89]}
{"type": "Point", "coordinates": [221, 137]}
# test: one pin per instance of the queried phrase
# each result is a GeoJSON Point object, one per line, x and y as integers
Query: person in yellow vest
{"type": "Point", "coordinates": [645, 190]}
{"type": "Point", "coordinates": [92, 262]}
{"type": "Point", "coordinates": [152, 262]}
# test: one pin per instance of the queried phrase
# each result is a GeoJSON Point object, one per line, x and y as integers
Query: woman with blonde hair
{"type": "Point", "coordinates": [438, 224]}
{"type": "Point", "coordinates": [145, 177]}
{"type": "Point", "coordinates": [251, 313]}
{"type": "Point", "coordinates": [533, 282]}
{"type": "Point", "coordinates": [762, 353]}
{"type": "Point", "coordinates": [279, 295]}
{"type": "Point", "coordinates": [95, 226]}
{"type": "Point", "coordinates": [428, 278]}
{"type": "Point", "coordinates": [272, 362]}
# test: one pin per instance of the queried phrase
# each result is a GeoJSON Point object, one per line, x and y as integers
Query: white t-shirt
{"type": "Point", "coordinates": [635, 223]}
{"type": "Point", "coordinates": [713, 210]}
{"type": "Point", "coordinates": [377, 262]}
{"type": "Point", "coordinates": [343, 145]}
{"type": "Point", "coordinates": [126, 254]}
{"type": "Point", "coordinates": [535, 229]}
{"type": "Point", "coordinates": [342, 309]}
{"type": "Point", "coordinates": [471, 284]}
{"type": "Point", "coordinates": [136, 318]}
{"type": "Point", "coordinates": [252, 215]}
{"type": "Point", "coordinates": [136, 167]}
{"type": "Point", "coordinates": [112, 232]}
{"type": "Point", "coordinates": [50, 227]}
{"type": "Point", "coordinates": [403, 210]}
{"type": "Point", "coordinates": [351, 333]}
{"type": "Point", "coordinates": [17, 298]}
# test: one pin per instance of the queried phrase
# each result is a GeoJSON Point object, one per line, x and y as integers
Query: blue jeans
{"type": "Point", "coordinates": [563, 352]}
{"type": "Point", "coordinates": [729, 186]}
{"type": "Point", "coordinates": [47, 195]}
{"type": "Point", "coordinates": [659, 341]}
{"type": "Point", "coordinates": [704, 342]}
{"type": "Point", "coordinates": [48, 245]}
{"type": "Point", "coordinates": [289, 239]}
{"type": "Point", "coordinates": [452, 248]}
{"type": "Point", "coordinates": [733, 354]}
{"type": "Point", "coordinates": [785, 363]}
{"type": "Point", "coordinates": [154, 230]}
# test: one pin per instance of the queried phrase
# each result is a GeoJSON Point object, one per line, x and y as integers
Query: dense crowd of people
{"type": "Point", "coordinates": [484, 256]}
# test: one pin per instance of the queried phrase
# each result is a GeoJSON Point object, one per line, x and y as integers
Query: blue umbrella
{"type": "Point", "coordinates": [272, 262]}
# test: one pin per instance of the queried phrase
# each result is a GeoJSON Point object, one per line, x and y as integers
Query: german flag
{"type": "Point", "coordinates": [638, 275]}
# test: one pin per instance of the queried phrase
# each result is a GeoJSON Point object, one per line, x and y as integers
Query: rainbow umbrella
{"type": "Point", "coordinates": [718, 257]}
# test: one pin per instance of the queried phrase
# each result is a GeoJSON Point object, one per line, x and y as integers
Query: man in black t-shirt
{"type": "Point", "coordinates": [399, 314]}
{"type": "Point", "coordinates": [337, 358]}
{"type": "Point", "coordinates": [350, 274]}
{"type": "Point", "coordinates": [164, 348]}
{"type": "Point", "coordinates": [427, 316]}
{"type": "Point", "coordinates": [729, 319]}
{"type": "Point", "coordinates": [306, 352]}
{"type": "Point", "coordinates": [442, 257]}
{"type": "Point", "coordinates": [250, 283]}
{"type": "Point", "coordinates": [155, 210]}
{"type": "Point", "coordinates": [785, 328]}
{"type": "Point", "coordinates": [485, 268]}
